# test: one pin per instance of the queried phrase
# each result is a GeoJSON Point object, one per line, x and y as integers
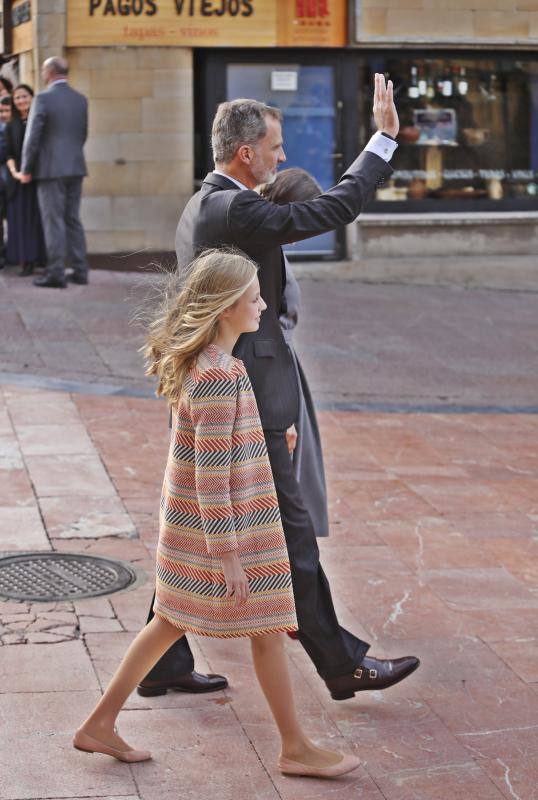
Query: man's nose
{"type": "Point", "coordinates": [282, 156]}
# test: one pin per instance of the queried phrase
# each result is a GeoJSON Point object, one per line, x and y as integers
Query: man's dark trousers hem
{"type": "Point", "coordinates": [59, 205]}
{"type": "Point", "coordinates": [333, 650]}
{"type": "Point", "coordinates": [178, 659]}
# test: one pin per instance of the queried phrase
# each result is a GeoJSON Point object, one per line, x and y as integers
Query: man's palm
{"type": "Point", "coordinates": [385, 114]}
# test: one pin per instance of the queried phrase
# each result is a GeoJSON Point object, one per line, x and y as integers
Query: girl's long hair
{"type": "Point", "coordinates": [187, 320]}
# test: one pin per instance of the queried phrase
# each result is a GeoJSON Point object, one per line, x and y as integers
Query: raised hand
{"type": "Point", "coordinates": [385, 114]}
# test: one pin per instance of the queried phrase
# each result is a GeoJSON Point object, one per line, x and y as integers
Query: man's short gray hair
{"type": "Point", "coordinates": [57, 65]}
{"type": "Point", "coordinates": [239, 122]}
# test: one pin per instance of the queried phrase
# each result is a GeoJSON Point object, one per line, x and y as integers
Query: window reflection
{"type": "Point", "coordinates": [469, 132]}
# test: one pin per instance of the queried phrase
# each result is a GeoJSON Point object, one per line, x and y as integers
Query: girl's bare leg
{"type": "Point", "coordinates": [271, 666]}
{"type": "Point", "coordinates": [143, 653]}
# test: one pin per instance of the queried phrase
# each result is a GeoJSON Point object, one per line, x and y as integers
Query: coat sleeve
{"type": "Point", "coordinates": [34, 132]}
{"type": "Point", "coordinates": [259, 224]}
{"type": "Point", "coordinates": [213, 409]}
{"type": "Point", "coordinates": [10, 143]}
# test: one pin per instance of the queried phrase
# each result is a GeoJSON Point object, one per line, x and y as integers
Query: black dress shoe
{"type": "Point", "coordinates": [81, 280]}
{"type": "Point", "coordinates": [50, 282]}
{"type": "Point", "coordinates": [192, 682]}
{"type": "Point", "coordinates": [27, 270]}
{"type": "Point", "coordinates": [372, 674]}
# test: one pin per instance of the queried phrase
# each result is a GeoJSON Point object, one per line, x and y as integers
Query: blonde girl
{"type": "Point", "coordinates": [222, 563]}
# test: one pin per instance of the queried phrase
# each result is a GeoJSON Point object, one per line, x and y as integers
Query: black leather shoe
{"type": "Point", "coordinates": [192, 682]}
{"type": "Point", "coordinates": [49, 282]}
{"type": "Point", "coordinates": [27, 270]}
{"type": "Point", "coordinates": [372, 674]}
{"type": "Point", "coordinates": [81, 280]}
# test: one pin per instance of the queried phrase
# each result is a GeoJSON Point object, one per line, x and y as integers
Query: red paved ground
{"type": "Point", "coordinates": [433, 551]}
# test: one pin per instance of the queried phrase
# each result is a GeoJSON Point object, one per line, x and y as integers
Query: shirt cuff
{"type": "Point", "coordinates": [383, 146]}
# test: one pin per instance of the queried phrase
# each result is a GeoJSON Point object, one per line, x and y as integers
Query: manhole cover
{"type": "Point", "coordinates": [61, 576]}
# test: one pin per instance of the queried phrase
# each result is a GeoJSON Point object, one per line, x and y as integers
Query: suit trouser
{"type": "Point", "coordinates": [59, 205]}
{"type": "Point", "coordinates": [333, 650]}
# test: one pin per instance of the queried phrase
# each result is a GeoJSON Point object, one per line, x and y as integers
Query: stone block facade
{"type": "Point", "coordinates": [140, 143]}
{"type": "Point", "coordinates": [436, 21]}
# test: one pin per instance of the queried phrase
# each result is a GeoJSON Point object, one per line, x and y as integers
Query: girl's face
{"type": "Point", "coordinates": [244, 315]}
{"type": "Point", "coordinates": [22, 100]}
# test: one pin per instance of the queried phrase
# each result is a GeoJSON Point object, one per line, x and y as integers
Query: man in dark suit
{"type": "Point", "coordinates": [53, 156]}
{"type": "Point", "coordinates": [247, 148]}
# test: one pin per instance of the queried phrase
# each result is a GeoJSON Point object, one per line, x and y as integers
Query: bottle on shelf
{"type": "Point", "coordinates": [447, 88]}
{"type": "Point", "coordinates": [430, 87]}
{"type": "Point", "coordinates": [463, 83]}
{"type": "Point", "coordinates": [412, 90]}
{"type": "Point", "coordinates": [422, 84]}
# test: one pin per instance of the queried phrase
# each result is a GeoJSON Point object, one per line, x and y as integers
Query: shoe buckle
{"type": "Point", "coordinates": [373, 674]}
{"type": "Point", "coordinates": [358, 673]}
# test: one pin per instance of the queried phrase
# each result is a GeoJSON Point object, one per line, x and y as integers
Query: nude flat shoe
{"type": "Point", "coordinates": [81, 741]}
{"type": "Point", "coordinates": [347, 764]}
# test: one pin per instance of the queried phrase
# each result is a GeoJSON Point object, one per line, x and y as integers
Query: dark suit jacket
{"type": "Point", "coordinates": [221, 214]}
{"type": "Point", "coordinates": [56, 132]}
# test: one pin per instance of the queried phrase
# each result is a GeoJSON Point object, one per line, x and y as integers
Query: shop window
{"type": "Point", "coordinates": [468, 135]}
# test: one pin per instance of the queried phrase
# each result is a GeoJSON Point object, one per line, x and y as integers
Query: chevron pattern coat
{"type": "Point", "coordinates": [218, 495]}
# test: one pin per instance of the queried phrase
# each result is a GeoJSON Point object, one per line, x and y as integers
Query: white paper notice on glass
{"type": "Point", "coordinates": [284, 80]}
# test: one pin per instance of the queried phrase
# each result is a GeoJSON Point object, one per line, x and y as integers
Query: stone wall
{"type": "Point", "coordinates": [140, 147]}
{"type": "Point", "coordinates": [460, 21]}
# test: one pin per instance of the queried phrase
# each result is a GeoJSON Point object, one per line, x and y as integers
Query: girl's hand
{"type": "Point", "coordinates": [236, 579]}
{"type": "Point", "coordinates": [291, 438]}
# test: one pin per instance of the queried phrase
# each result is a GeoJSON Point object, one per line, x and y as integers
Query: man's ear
{"type": "Point", "coordinates": [244, 154]}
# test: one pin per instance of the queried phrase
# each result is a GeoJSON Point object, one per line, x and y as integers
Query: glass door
{"type": "Point", "coordinates": [307, 98]}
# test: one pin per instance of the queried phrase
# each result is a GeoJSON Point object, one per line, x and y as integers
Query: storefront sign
{"type": "Point", "coordinates": [21, 25]}
{"type": "Point", "coordinates": [312, 23]}
{"type": "Point", "coordinates": [207, 23]}
{"type": "Point", "coordinates": [284, 80]}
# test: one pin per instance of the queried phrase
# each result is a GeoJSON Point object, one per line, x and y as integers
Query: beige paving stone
{"type": "Point", "coordinates": [38, 758]}
{"type": "Point", "coordinates": [205, 741]}
{"type": "Point", "coordinates": [98, 624]}
{"type": "Point", "coordinates": [70, 475]}
{"type": "Point", "coordinates": [21, 528]}
{"type": "Point", "coordinates": [60, 667]}
{"type": "Point", "coordinates": [81, 517]}
{"type": "Point", "coordinates": [37, 440]}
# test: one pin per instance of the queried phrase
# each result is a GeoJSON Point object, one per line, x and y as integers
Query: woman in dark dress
{"type": "Point", "coordinates": [293, 185]}
{"type": "Point", "coordinates": [25, 241]}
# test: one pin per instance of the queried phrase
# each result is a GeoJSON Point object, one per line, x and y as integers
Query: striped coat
{"type": "Point", "coordinates": [218, 495]}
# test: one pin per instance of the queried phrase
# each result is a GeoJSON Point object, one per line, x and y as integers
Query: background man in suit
{"type": "Point", "coordinates": [53, 156]}
{"type": "Point", "coordinates": [247, 148]}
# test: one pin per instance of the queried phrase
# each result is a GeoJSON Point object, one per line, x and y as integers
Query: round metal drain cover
{"type": "Point", "coordinates": [61, 576]}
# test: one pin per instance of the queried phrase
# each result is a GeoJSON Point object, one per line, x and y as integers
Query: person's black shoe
{"type": "Point", "coordinates": [81, 280]}
{"type": "Point", "coordinates": [49, 282]}
{"type": "Point", "coordinates": [27, 270]}
{"type": "Point", "coordinates": [372, 674]}
{"type": "Point", "coordinates": [191, 682]}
